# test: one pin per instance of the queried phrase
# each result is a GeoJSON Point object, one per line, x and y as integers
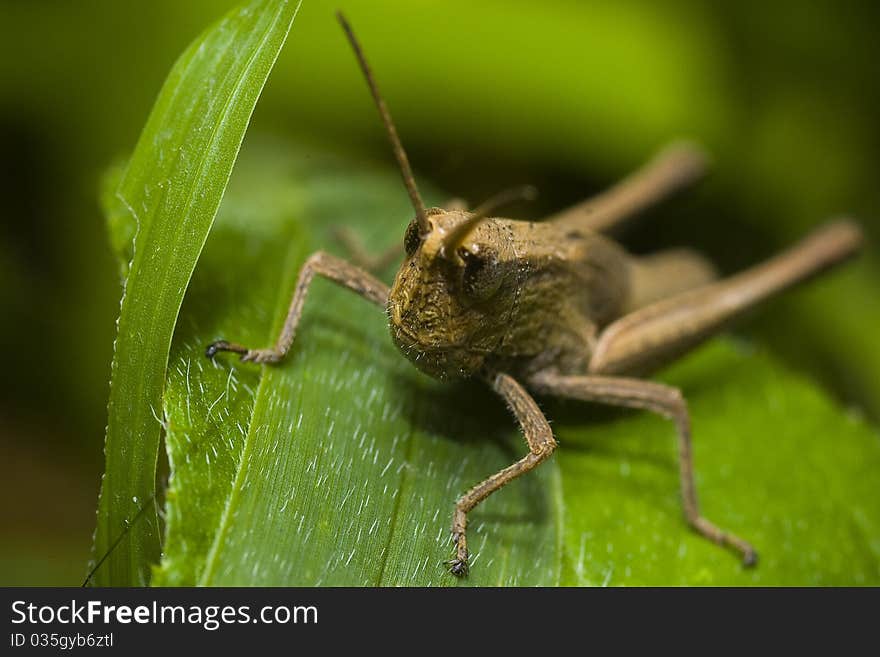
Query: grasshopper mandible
{"type": "Point", "coordinates": [557, 308]}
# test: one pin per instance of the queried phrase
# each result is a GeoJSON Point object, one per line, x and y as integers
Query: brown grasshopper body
{"type": "Point", "coordinates": [520, 297]}
{"type": "Point", "coordinates": [514, 296]}
{"type": "Point", "coordinates": [557, 308]}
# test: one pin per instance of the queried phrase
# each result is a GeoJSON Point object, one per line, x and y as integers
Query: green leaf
{"type": "Point", "coordinates": [171, 190]}
{"type": "Point", "coordinates": [341, 465]}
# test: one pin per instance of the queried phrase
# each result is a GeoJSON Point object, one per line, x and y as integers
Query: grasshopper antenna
{"type": "Point", "coordinates": [396, 146]}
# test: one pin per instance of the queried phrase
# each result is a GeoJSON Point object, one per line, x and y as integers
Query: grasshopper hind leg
{"type": "Point", "coordinates": [657, 333]}
{"type": "Point", "coordinates": [676, 166]}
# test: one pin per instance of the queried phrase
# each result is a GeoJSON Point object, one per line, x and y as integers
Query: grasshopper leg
{"type": "Point", "coordinates": [361, 256]}
{"type": "Point", "coordinates": [673, 168]}
{"type": "Point", "coordinates": [661, 399]}
{"type": "Point", "coordinates": [656, 334]}
{"type": "Point", "coordinates": [323, 264]}
{"type": "Point", "coordinates": [541, 443]}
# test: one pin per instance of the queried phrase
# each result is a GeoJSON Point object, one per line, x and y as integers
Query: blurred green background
{"type": "Point", "coordinates": [568, 95]}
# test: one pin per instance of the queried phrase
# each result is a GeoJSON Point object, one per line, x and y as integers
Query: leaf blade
{"type": "Point", "coordinates": [172, 188]}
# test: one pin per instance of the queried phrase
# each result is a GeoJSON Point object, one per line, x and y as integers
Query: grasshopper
{"type": "Point", "coordinates": [557, 308]}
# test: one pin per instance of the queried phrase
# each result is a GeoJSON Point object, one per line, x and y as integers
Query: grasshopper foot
{"type": "Point", "coordinates": [247, 355]}
{"type": "Point", "coordinates": [222, 345]}
{"type": "Point", "coordinates": [458, 567]}
{"type": "Point", "coordinates": [726, 539]}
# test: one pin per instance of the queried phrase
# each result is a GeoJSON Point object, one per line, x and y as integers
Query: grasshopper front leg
{"type": "Point", "coordinates": [335, 269]}
{"type": "Point", "coordinates": [541, 443]}
{"type": "Point", "coordinates": [658, 398]}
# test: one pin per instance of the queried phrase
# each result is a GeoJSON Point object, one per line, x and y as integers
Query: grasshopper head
{"type": "Point", "coordinates": [454, 295]}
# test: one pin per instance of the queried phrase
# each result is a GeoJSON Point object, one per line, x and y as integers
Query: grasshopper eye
{"type": "Point", "coordinates": [480, 277]}
{"type": "Point", "coordinates": [411, 238]}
